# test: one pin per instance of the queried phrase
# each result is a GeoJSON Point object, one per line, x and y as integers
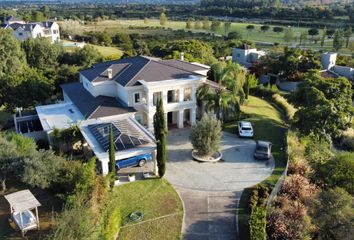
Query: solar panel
{"type": "Point", "coordinates": [125, 135]}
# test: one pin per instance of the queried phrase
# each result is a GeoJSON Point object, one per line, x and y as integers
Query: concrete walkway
{"type": "Point", "coordinates": [211, 191]}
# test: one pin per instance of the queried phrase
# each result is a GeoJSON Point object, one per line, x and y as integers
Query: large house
{"type": "Point", "coordinates": [23, 30]}
{"type": "Point", "coordinates": [122, 94]}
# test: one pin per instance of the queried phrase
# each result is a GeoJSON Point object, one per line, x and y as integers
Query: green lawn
{"type": "Point", "coordinates": [160, 204]}
{"type": "Point", "coordinates": [123, 25]}
{"type": "Point", "coordinates": [107, 52]}
{"type": "Point", "coordinates": [268, 124]}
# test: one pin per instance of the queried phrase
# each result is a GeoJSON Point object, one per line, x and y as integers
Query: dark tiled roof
{"type": "Point", "coordinates": [129, 71]}
{"type": "Point", "coordinates": [91, 107]}
{"type": "Point", "coordinates": [185, 65]}
{"type": "Point", "coordinates": [27, 27]}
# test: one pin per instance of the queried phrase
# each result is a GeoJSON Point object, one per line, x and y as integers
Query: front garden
{"type": "Point", "coordinates": [160, 205]}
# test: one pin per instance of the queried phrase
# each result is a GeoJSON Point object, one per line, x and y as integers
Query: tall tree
{"type": "Point", "coordinates": [333, 214]}
{"type": "Point", "coordinates": [189, 23]}
{"type": "Point", "coordinates": [163, 19]}
{"type": "Point", "coordinates": [160, 135]}
{"type": "Point", "coordinates": [347, 34]}
{"type": "Point", "coordinates": [288, 35]}
{"type": "Point", "coordinates": [323, 37]}
{"type": "Point", "coordinates": [112, 151]}
{"type": "Point", "coordinates": [325, 105]}
{"type": "Point", "coordinates": [303, 37]}
{"type": "Point", "coordinates": [338, 40]}
{"type": "Point", "coordinates": [227, 26]}
{"type": "Point", "coordinates": [206, 23]}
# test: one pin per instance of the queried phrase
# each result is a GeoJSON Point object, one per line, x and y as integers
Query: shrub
{"type": "Point", "coordinates": [111, 220]}
{"type": "Point", "coordinates": [339, 172]}
{"type": "Point", "coordinates": [288, 221]}
{"type": "Point", "coordinates": [297, 187]}
{"type": "Point", "coordinates": [206, 135]}
{"type": "Point", "coordinates": [261, 91]}
{"type": "Point", "coordinates": [348, 140]}
{"type": "Point", "coordinates": [257, 224]}
{"type": "Point", "coordinates": [284, 105]}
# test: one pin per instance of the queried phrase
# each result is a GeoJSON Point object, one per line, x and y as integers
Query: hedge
{"type": "Point", "coordinates": [111, 221]}
{"type": "Point", "coordinates": [257, 208]}
{"type": "Point", "coordinates": [258, 224]}
{"type": "Point", "coordinates": [285, 106]}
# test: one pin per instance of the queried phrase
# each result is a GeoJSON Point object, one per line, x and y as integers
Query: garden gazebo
{"type": "Point", "coordinates": [21, 204]}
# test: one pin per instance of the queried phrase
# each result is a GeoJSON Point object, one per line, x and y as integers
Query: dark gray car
{"type": "Point", "coordinates": [263, 150]}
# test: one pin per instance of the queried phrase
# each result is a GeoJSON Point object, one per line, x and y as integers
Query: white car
{"type": "Point", "coordinates": [245, 129]}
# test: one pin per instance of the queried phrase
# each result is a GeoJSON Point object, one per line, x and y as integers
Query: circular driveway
{"type": "Point", "coordinates": [236, 171]}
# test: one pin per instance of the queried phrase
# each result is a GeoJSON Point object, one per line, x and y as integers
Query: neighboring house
{"type": "Point", "coordinates": [23, 31]}
{"type": "Point", "coordinates": [330, 69]}
{"type": "Point", "coordinates": [121, 93]}
{"type": "Point", "coordinates": [246, 55]}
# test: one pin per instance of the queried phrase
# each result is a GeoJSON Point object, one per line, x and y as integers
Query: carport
{"type": "Point", "coordinates": [130, 140]}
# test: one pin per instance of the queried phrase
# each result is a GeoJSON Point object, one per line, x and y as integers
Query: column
{"type": "Point", "coordinates": [193, 115]}
{"type": "Point", "coordinates": [156, 168]}
{"type": "Point", "coordinates": [164, 98]}
{"type": "Point", "coordinates": [150, 121]}
{"type": "Point", "coordinates": [150, 99]}
{"type": "Point", "coordinates": [181, 94]}
{"type": "Point", "coordinates": [105, 168]}
{"type": "Point", "coordinates": [180, 119]}
{"type": "Point", "coordinates": [194, 94]}
{"type": "Point", "coordinates": [166, 119]}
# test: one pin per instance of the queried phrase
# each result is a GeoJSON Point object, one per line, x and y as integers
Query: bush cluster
{"type": "Point", "coordinates": [257, 207]}
{"type": "Point", "coordinates": [284, 105]}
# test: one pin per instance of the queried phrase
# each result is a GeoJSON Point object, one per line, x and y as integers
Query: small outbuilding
{"type": "Point", "coordinates": [21, 205]}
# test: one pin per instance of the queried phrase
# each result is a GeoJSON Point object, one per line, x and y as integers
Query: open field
{"type": "Point", "coordinates": [128, 25]}
{"type": "Point", "coordinates": [160, 205]}
{"type": "Point", "coordinates": [268, 125]}
{"type": "Point", "coordinates": [107, 52]}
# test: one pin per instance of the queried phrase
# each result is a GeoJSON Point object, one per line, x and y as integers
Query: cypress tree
{"type": "Point", "coordinates": [160, 135]}
{"type": "Point", "coordinates": [112, 151]}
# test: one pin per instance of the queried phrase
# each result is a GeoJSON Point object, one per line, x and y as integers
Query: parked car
{"type": "Point", "coordinates": [139, 160]}
{"type": "Point", "coordinates": [245, 129]}
{"type": "Point", "coordinates": [263, 150]}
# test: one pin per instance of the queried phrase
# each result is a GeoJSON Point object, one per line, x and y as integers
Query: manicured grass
{"type": "Point", "coordinates": [268, 124]}
{"type": "Point", "coordinates": [107, 52]}
{"type": "Point", "coordinates": [160, 205]}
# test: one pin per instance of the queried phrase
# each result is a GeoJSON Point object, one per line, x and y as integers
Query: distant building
{"type": "Point", "coordinates": [246, 55]}
{"type": "Point", "coordinates": [328, 61]}
{"type": "Point", "coordinates": [23, 30]}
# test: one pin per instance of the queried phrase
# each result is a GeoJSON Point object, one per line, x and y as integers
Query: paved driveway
{"type": "Point", "coordinates": [211, 191]}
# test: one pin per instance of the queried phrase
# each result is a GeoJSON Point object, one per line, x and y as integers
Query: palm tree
{"type": "Point", "coordinates": [226, 99]}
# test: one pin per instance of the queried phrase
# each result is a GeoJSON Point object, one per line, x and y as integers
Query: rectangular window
{"type": "Point", "coordinates": [20, 34]}
{"type": "Point", "coordinates": [187, 94]}
{"type": "Point", "coordinates": [156, 96]}
{"type": "Point", "coordinates": [137, 97]}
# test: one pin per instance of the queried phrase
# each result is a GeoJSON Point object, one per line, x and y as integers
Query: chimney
{"type": "Point", "coordinates": [110, 73]}
{"type": "Point", "coordinates": [182, 56]}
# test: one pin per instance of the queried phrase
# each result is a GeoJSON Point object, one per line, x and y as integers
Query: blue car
{"type": "Point", "coordinates": [139, 160]}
